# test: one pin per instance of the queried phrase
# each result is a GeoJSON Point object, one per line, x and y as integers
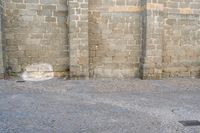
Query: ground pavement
{"type": "Point", "coordinates": [99, 106]}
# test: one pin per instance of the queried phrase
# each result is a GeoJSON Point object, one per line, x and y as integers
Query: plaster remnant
{"type": "Point", "coordinates": [38, 72]}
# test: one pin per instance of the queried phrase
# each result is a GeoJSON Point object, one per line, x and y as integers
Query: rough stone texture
{"type": "Point", "coordinates": [1, 40]}
{"type": "Point", "coordinates": [181, 44]}
{"type": "Point", "coordinates": [78, 38]}
{"type": "Point", "coordinates": [36, 32]}
{"type": "Point", "coordinates": [150, 39]}
{"type": "Point", "coordinates": [171, 39]}
{"type": "Point", "coordinates": [114, 38]}
{"type": "Point", "coordinates": [151, 60]}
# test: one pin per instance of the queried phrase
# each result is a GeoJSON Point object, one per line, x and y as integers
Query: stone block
{"type": "Point", "coordinates": [30, 1]}
{"type": "Point", "coordinates": [50, 19]}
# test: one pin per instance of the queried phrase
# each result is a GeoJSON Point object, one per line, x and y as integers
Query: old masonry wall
{"type": "Point", "coordinates": [104, 38]}
{"type": "Point", "coordinates": [36, 32]}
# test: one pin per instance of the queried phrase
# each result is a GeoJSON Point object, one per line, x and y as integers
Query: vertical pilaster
{"type": "Point", "coordinates": [151, 61]}
{"type": "Point", "coordinates": [1, 40]}
{"type": "Point", "coordinates": [78, 38]}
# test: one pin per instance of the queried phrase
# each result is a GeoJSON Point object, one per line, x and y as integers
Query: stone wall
{"type": "Point", "coordinates": [78, 39]}
{"type": "Point", "coordinates": [114, 38]}
{"type": "Point", "coordinates": [150, 39]}
{"type": "Point", "coordinates": [36, 32]}
{"type": "Point", "coordinates": [181, 44]}
{"type": "Point", "coordinates": [1, 40]}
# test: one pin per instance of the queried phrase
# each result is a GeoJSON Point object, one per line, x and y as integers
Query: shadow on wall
{"type": "Point", "coordinates": [2, 39]}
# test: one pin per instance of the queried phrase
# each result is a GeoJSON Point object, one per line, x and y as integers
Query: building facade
{"type": "Point", "coordinates": [148, 39]}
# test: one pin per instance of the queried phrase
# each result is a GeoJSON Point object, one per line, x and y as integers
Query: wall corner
{"type": "Point", "coordinates": [152, 40]}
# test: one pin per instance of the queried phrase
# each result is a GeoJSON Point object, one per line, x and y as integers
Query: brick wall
{"type": "Point", "coordinates": [1, 39]}
{"type": "Point", "coordinates": [36, 32]}
{"type": "Point", "coordinates": [114, 38]}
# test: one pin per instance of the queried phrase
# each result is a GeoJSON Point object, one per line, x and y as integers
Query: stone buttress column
{"type": "Point", "coordinates": [78, 39]}
{"type": "Point", "coordinates": [152, 37]}
{"type": "Point", "coordinates": [1, 41]}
